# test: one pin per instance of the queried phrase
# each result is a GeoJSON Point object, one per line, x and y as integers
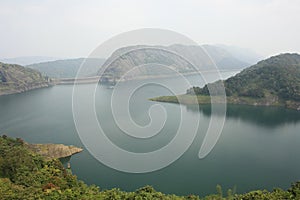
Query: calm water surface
{"type": "Point", "coordinates": [259, 147]}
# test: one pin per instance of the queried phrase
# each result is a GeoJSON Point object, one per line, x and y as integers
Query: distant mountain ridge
{"type": "Point", "coordinates": [16, 79]}
{"type": "Point", "coordinates": [182, 58]}
{"type": "Point", "coordinates": [223, 56]}
{"type": "Point", "coordinates": [68, 68]}
{"type": "Point", "coordinates": [246, 55]}
{"type": "Point", "coordinates": [28, 60]}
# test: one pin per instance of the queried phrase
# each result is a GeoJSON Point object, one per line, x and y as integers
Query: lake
{"type": "Point", "coordinates": [258, 148]}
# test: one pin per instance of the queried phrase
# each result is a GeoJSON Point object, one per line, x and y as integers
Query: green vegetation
{"type": "Point", "coordinates": [26, 175]}
{"type": "Point", "coordinates": [15, 79]}
{"type": "Point", "coordinates": [68, 68]}
{"type": "Point", "coordinates": [184, 99]}
{"type": "Point", "coordinates": [271, 82]}
{"type": "Point", "coordinates": [277, 76]}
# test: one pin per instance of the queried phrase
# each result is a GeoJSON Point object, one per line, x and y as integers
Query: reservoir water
{"type": "Point", "coordinates": [259, 146]}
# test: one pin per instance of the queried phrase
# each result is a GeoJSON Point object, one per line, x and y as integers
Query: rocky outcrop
{"type": "Point", "coordinates": [293, 105]}
{"type": "Point", "coordinates": [54, 151]}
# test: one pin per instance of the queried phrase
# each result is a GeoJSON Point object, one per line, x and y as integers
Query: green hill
{"type": "Point", "coordinates": [271, 82]}
{"type": "Point", "coordinates": [68, 68]}
{"type": "Point", "coordinates": [15, 79]}
{"type": "Point", "coordinates": [26, 175]}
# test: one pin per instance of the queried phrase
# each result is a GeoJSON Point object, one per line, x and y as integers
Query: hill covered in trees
{"type": "Point", "coordinates": [15, 79]}
{"type": "Point", "coordinates": [26, 175]}
{"type": "Point", "coordinates": [271, 82]}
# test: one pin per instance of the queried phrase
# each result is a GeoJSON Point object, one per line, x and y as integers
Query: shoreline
{"type": "Point", "coordinates": [26, 89]}
{"type": "Point", "coordinates": [141, 77]}
{"type": "Point", "coordinates": [94, 79]}
{"type": "Point", "coordinates": [231, 100]}
{"type": "Point", "coordinates": [54, 151]}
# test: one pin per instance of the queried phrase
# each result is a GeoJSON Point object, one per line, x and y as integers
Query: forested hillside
{"type": "Point", "coordinates": [274, 81]}
{"type": "Point", "coordinates": [26, 175]}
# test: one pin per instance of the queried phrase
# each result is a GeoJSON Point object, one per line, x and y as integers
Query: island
{"type": "Point", "coordinates": [271, 82]}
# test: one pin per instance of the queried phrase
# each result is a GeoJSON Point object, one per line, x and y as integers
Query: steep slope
{"type": "Point", "coordinates": [181, 58]}
{"type": "Point", "coordinates": [68, 68]}
{"type": "Point", "coordinates": [16, 79]}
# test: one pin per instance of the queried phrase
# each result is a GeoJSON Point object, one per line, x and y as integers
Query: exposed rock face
{"type": "Point", "coordinates": [17, 79]}
{"type": "Point", "coordinates": [53, 151]}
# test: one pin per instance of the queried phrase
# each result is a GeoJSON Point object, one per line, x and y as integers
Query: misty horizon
{"type": "Point", "coordinates": [72, 30]}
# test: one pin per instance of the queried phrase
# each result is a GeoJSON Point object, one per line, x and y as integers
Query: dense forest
{"type": "Point", "coordinates": [277, 76]}
{"type": "Point", "coordinates": [274, 81]}
{"type": "Point", "coordinates": [26, 175]}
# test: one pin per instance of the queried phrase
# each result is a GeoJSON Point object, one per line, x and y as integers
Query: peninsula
{"type": "Point", "coordinates": [271, 82]}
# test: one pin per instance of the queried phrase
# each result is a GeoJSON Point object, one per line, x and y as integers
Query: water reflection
{"type": "Point", "coordinates": [270, 117]}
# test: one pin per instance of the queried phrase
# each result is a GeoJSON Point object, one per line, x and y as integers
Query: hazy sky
{"type": "Point", "coordinates": [73, 28]}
